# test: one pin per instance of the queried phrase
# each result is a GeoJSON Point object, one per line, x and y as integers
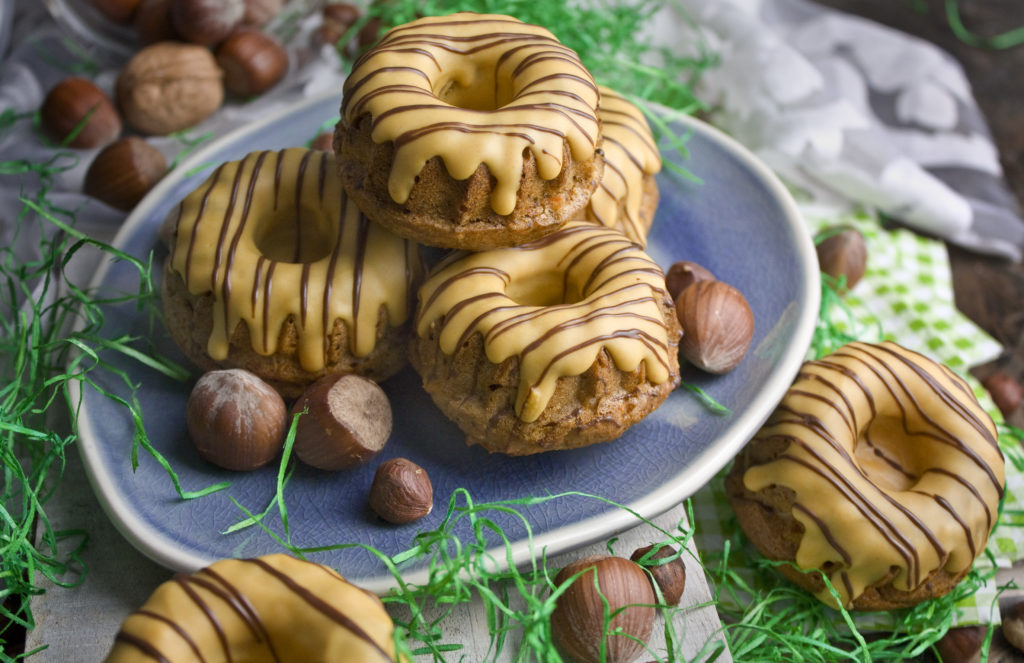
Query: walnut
{"type": "Point", "coordinates": [169, 86]}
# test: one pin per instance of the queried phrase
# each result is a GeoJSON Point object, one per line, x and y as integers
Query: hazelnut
{"type": "Point", "coordinates": [259, 12]}
{"type": "Point", "coordinates": [842, 253]}
{"type": "Point", "coordinates": [961, 645]}
{"type": "Point", "coordinates": [124, 171]}
{"type": "Point", "coordinates": [236, 420]}
{"type": "Point", "coordinates": [1006, 392]}
{"type": "Point", "coordinates": [153, 22]}
{"type": "Point", "coordinates": [118, 11]}
{"type": "Point", "coordinates": [578, 620]}
{"type": "Point", "coordinates": [347, 422]}
{"type": "Point", "coordinates": [206, 22]}
{"type": "Point", "coordinates": [77, 112]}
{"type": "Point", "coordinates": [1013, 625]}
{"type": "Point", "coordinates": [369, 34]}
{"type": "Point", "coordinates": [683, 274]}
{"type": "Point", "coordinates": [717, 324]}
{"type": "Point", "coordinates": [670, 576]}
{"type": "Point", "coordinates": [401, 491]}
{"type": "Point", "coordinates": [324, 142]}
{"type": "Point", "coordinates": [253, 62]}
{"type": "Point", "coordinates": [168, 87]}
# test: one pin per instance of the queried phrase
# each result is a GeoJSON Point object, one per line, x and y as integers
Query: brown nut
{"type": "Point", "coordinates": [118, 11]}
{"type": "Point", "coordinates": [235, 419]}
{"type": "Point", "coordinates": [259, 12]}
{"type": "Point", "coordinates": [76, 104]}
{"type": "Point", "coordinates": [717, 324]}
{"type": "Point", "coordinates": [1013, 625]}
{"type": "Point", "coordinates": [961, 645]}
{"type": "Point", "coordinates": [324, 142]}
{"type": "Point", "coordinates": [206, 22]}
{"type": "Point", "coordinates": [124, 171]}
{"type": "Point", "coordinates": [842, 253]}
{"type": "Point", "coordinates": [252, 61]}
{"type": "Point", "coordinates": [168, 87]}
{"type": "Point", "coordinates": [369, 34]}
{"type": "Point", "coordinates": [683, 274]}
{"type": "Point", "coordinates": [347, 422]}
{"type": "Point", "coordinates": [670, 576]}
{"type": "Point", "coordinates": [401, 491]}
{"type": "Point", "coordinates": [578, 623]}
{"type": "Point", "coordinates": [1006, 392]}
{"type": "Point", "coordinates": [153, 22]}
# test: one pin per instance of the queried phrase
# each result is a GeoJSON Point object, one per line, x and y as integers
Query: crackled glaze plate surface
{"type": "Point", "coordinates": [738, 221]}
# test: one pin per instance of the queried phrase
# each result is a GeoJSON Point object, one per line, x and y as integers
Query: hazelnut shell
{"type": "Point", "coordinates": [259, 12]}
{"type": "Point", "coordinates": [961, 645]}
{"type": "Point", "coordinates": [236, 420]}
{"type": "Point", "coordinates": [717, 324]}
{"type": "Point", "coordinates": [347, 422]}
{"type": "Point", "coordinates": [153, 22]}
{"type": "Point", "coordinates": [577, 622]}
{"type": "Point", "coordinates": [252, 62]}
{"type": "Point", "coordinates": [401, 491]}
{"type": "Point", "coordinates": [118, 11]}
{"type": "Point", "coordinates": [842, 252]}
{"type": "Point", "coordinates": [124, 171]}
{"type": "Point", "coordinates": [1013, 625]}
{"type": "Point", "coordinates": [683, 274]}
{"type": "Point", "coordinates": [670, 576]}
{"type": "Point", "coordinates": [1005, 391]}
{"type": "Point", "coordinates": [324, 141]}
{"type": "Point", "coordinates": [206, 22]}
{"type": "Point", "coordinates": [77, 102]}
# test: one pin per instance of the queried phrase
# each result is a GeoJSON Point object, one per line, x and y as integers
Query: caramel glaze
{"type": "Point", "coordinates": [894, 466]}
{"type": "Point", "coordinates": [270, 609]}
{"type": "Point", "coordinates": [273, 237]}
{"type": "Point", "coordinates": [630, 159]}
{"type": "Point", "coordinates": [474, 89]}
{"type": "Point", "coordinates": [553, 303]}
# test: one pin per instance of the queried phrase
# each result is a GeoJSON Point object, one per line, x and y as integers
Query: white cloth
{"type": "Point", "coordinates": [854, 113]}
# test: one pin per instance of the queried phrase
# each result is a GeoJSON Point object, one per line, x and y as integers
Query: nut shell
{"type": "Point", "coordinates": [670, 576]}
{"type": "Point", "coordinates": [153, 22]}
{"type": "Point", "coordinates": [348, 421]}
{"type": "Point", "coordinates": [206, 22]}
{"type": "Point", "coordinates": [683, 274]}
{"type": "Point", "coordinates": [118, 11]}
{"type": "Point", "coordinates": [124, 171]}
{"type": "Point", "coordinates": [842, 252]}
{"type": "Point", "coordinates": [1005, 391]}
{"type": "Point", "coordinates": [577, 623]}
{"type": "Point", "coordinates": [77, 101]}
{"type": "Point", "coordinates": [235, 419]}
{"type": "Point", "coordinates": [401, 491]}
{"type": "Point", "coordinates": [259, 12]}
{"type": "Point", "coordinates": [169, 86]}
{"type": "Point", "coordinates": [252, 62]}
{"type": "Point", "coordinates": [717, 323]}
{"type": "Point", "coordinates": [1013, 625]}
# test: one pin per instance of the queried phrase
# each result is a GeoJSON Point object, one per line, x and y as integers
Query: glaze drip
{"type": "Point", "coordinates": [554, 304]}
{"type": "Point", "coordinates": [630, 157]}
{"type": "Point", "coordinates": [474, 89]}
{"type": "Point", "coordinates": [894, 466]}
{"type": "Point", "coordinates": [277, 239]}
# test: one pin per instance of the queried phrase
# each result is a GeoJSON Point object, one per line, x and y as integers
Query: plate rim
{"type": "Point", "coordinates": [154, 545]}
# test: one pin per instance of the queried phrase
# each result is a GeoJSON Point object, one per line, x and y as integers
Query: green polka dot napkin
{"type": "Point", "coordinates": [906, 296]}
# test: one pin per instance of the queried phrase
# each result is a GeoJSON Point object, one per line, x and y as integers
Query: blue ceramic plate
{"type": "Point", "coordinates": [738, 221]}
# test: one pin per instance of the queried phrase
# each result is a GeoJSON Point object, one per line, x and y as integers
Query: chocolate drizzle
{"type": "Point", "coordinates": [274, 239]}
{"type": "Point", "coordinates": [524, 91]}
{"type": "Point", "coordinates": [929, 499]}
{"type": "Point", "coordinates": [214, 599]}
{"type": "Point", "coordinates": [600, 292]}
{"type": "Point", "coordinates": [631, 159]}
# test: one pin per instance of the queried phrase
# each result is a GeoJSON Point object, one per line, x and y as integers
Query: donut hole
{"type": "Point", "coordinates": [885, 455]}
{"type": "Point", "coordinates": [304, 237]}
{"type": "Point", "coordinates": [541, 288]}
{"type": "Point", "coordinates": [473, 88]}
